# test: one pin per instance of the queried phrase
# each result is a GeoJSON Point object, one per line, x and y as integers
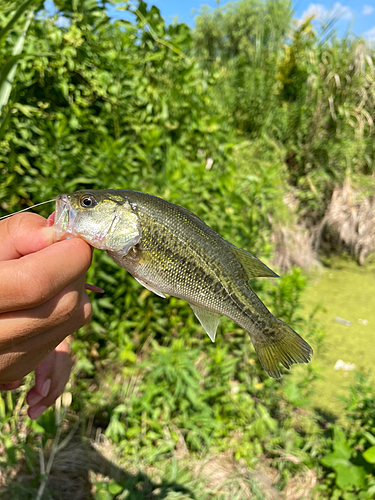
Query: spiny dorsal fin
{"type": "Point", "coordinates": [253, 267]}
{"type": "Point", "coordinates": [208, 320]}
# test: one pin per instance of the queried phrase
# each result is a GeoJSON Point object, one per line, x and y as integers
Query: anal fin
{"type": "Point", "coordinates": [208, 320]}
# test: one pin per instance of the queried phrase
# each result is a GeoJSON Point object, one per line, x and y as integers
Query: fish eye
{"type": "Point", "coordinates": [88, 201]}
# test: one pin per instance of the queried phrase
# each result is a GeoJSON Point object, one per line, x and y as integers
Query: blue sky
{"type": "Point", "coordinates": [360, 14]}
{"type": "Point", "coordinates": [357, 14]}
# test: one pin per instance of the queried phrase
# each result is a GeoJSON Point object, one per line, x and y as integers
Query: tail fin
{"type": "Point", "coordinates": [279, 343]}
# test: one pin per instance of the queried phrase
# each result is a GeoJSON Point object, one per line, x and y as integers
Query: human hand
{"type": "Point", "coordinates": [42, 300]}
{"type": "Point", "coordinates": [51, 377]}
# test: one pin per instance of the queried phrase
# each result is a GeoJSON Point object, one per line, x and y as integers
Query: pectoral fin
{"type": "Point", "coordinates": [253, 267]}
{"type": "Point", "coordinates": [208, 320]}
{"type": "Point", "coordinates": [149, 287]}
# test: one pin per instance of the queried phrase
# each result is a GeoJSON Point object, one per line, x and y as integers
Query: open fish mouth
{"type": "Point", "coordinates": [64, 217]}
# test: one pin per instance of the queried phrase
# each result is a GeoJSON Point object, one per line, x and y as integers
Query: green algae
{"type": "Point", "coordinates": [347, 291]}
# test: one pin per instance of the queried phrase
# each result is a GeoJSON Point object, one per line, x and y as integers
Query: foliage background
{"type": "Point", "coordinates": [229, 119]}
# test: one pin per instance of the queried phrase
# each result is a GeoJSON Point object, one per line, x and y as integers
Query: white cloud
{"type": "Point", "coordinates": [317, 10]}
{"type": "Point", "coordinates": [321, 13]}
{"type": "Point", "coordinates": [62, 22]}
{"type": "Point", "coordinates": [367, 10]}
{"type": "Point", "coordinates": [342, 11]}
{"type": "Point", "coordinates": [370, 34]}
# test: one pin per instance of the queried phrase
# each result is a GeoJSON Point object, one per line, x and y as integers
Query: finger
{"type": "Point", "coordinates": [51, 376]}
{"type": "Point", "coordinates": [11, 386]}
{"type": "Point", "coordinates": [34, 279]}
{"type": "Point", "coordinates": [23, 234]}
{"type": "Point", "coordinates": [26, 356]}
{"type": "Point", "coordinates": [43, 377]}
{"type": "Point", "coordinates": [59, 379]}
{"type": "Point", "coordinates": [19, 326]}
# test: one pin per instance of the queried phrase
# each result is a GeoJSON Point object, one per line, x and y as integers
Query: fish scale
{"type": "Point", "coordinates": [211, 268]}
{"type": "Point", "coordinates": [191, 278]}
{"type": "Point", "coordinates": [169, 250]}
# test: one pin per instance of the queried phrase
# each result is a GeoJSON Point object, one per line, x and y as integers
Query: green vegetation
{"type": "Point", "coordinates": [253, 122]}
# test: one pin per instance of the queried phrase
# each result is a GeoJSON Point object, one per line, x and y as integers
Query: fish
{"type": "Point", "coordinates": [171, 251]}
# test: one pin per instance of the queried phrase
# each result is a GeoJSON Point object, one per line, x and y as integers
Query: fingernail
{"type": "Point", "coordinates": [36, 411]}
{"type": "Point", "coordinates": [51, 219]}
{"type": "Point", "coordinates": [46, 387]}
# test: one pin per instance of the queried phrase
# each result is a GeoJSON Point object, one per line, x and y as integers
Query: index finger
{"type": "Point", "coordinates": [24, 234]}
{"type": "Point", "coordinates": [34, 279]}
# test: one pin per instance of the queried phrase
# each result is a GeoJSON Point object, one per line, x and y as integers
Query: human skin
{"type": "Point", "coordinates": [42, 301]}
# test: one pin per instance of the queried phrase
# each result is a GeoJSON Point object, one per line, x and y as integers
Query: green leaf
{"type": "Point", "coordinates": [33, 424]}
{"type": "Point", "coordinates": [2, 409]}
{"type": "Point", "coordinates": [85, 365]}
{"type": "Point", "coordinates": [342, 450]}
{"type": "Point", "coordinates": [369, 455]}
{"type": "Point", "coordinates": [332, 460]}
{"type": "Point", "coordinates": [21, 9]}
{"type": "Point", "coordinates": [101, 492]}
{"type": "Point", "coordinates": [350, 476]}
{"type": "Point", "coordinates": [115, 488]}
{"type": "Point", "coordinates": [120, 408]}
{"type": "Point", "coordinates": [4, 123]}
{"type": "Point", "coordinates": [10, 451]}
{"type": "Point", "coordinates": [341, 454]}
{"type": "Point", "coordinates": [6, 86]}
{"type": "Point", "coordinates": [115, 429]}
{"type": "Point", "coordinates": [350, 496]}
{"type": "Point", "coordinates": [7, 67]}
{"type": "Point", "coordinates": [133, 431]}
{"type": "Point", "coordinates": [370, 438]}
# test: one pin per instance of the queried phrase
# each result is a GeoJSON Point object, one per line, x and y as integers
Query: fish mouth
{"type": "Point", "coordinates": [64, 218]}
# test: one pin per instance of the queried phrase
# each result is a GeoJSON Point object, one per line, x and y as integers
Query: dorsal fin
{"type": "Point", "coordinates": [253, 267]}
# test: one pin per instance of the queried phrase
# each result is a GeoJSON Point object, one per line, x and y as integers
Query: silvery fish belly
{"type": "Point", "coordinates": [171, 251]}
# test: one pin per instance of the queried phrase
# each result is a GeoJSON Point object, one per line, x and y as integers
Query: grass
{"type": "Point", "coordinates": [345, 290]}
{"type": "Point", "coordinates": [86, 468]}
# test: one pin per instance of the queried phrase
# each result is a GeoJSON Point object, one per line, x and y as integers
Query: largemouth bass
{"type": "Point", "coordinates": [169, 250]}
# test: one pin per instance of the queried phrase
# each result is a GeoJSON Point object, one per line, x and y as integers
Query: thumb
{"type": "Point", "coordinates": [24, 234]}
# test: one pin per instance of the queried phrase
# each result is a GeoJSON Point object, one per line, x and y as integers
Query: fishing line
{"type": "Point", "coordinates": [28, 208]}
